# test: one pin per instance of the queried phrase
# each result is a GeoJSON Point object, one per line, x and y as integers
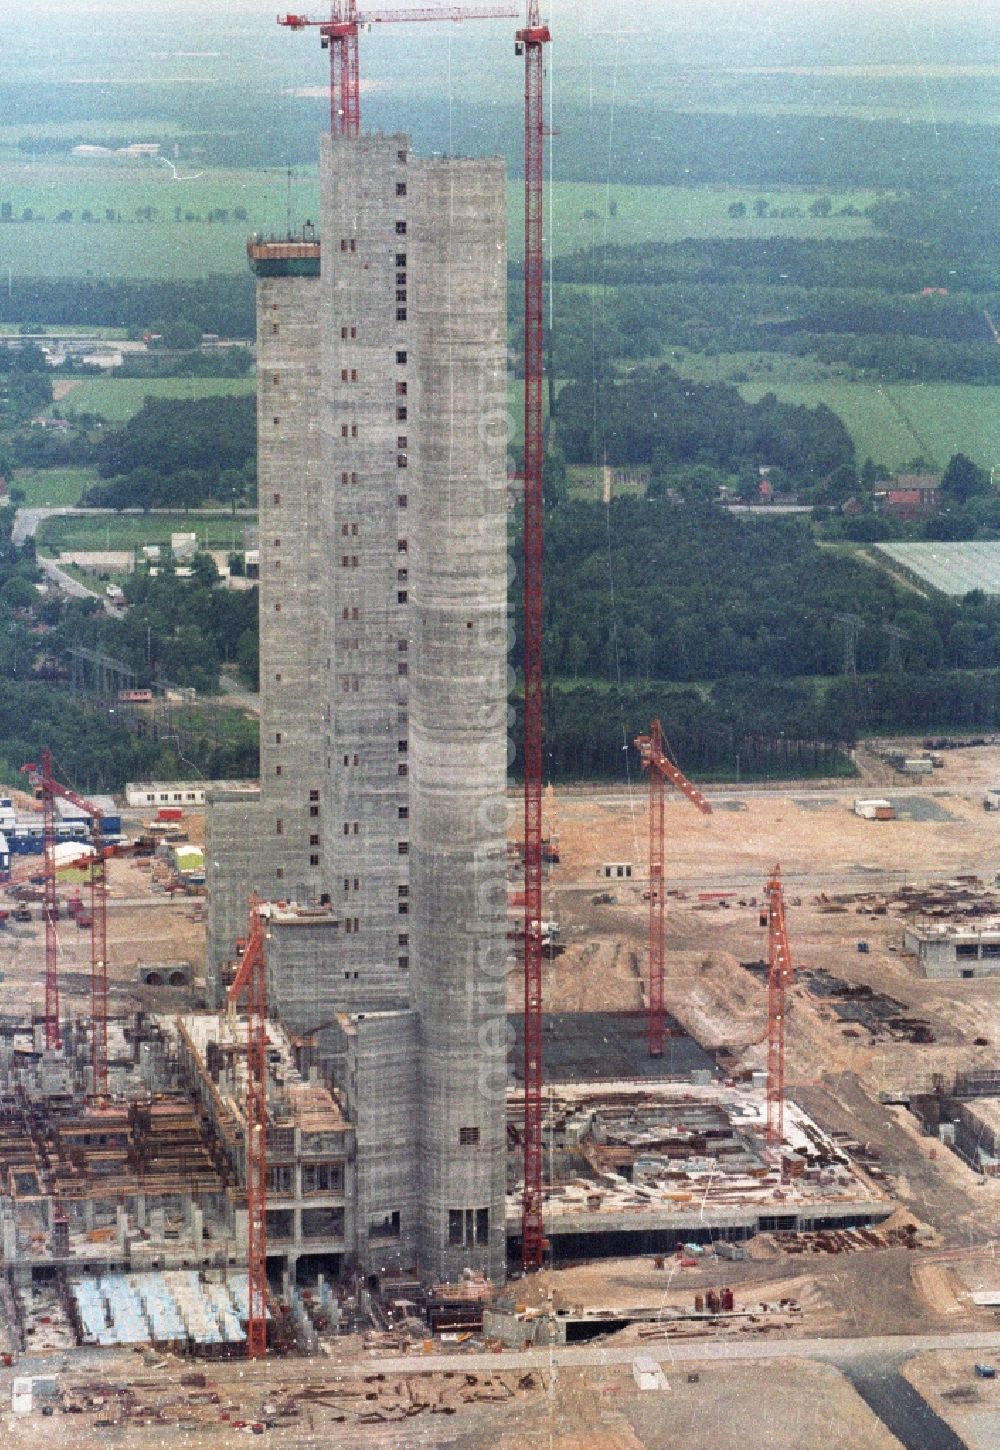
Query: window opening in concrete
{"type": "Point", "coordinates": [468, 1137]}
{"type": "Point", "coordinates": [384, 1226]}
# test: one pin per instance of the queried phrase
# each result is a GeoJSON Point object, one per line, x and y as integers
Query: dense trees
{"type": "Point", "coordinates": [655, 415]}
{"type": "Point", "coordinates": [689, 593]}
{"type": "Point", "coordinates": [179, 629]}
{"type": "Point", "coordinates": [859, 303]}
{"type": "Point", "coordinates": [175, 453]}
{"type": "Point", "coordinates": [212, 304]}
{"type": "Point", "coordinates": [25, 388]}
{"type": "Point", "coordinates": [170, 434]}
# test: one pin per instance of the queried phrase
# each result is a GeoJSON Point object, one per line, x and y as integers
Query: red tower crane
{"type": "Point", "coordinates": [661, 769]}
{"type": "Point", "coordinates": [531, 42]}
{"type": "Point", "coordinates": [339, 35]}
{"type": "Point", "coordinates": [779, 976]}
{"type": "Point", "coordinates": [251, 977]}
{"type": "Point", "coordinates": [44, 781]}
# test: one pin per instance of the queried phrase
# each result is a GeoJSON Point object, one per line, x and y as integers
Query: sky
{"type": "Point", "coordinates": [597, 42]}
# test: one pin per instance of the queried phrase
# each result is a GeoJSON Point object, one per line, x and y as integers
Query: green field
{"type": "Point", "coordinates": [53, 487]}
{"type": "Point", "coordinates": [579, 216]}
{"type": "Point", "coordinates": [118, 399]}
{"type": "Point", "coordinates": [114, 531]}
{"type": "Point", "coordinates": [893, 423]}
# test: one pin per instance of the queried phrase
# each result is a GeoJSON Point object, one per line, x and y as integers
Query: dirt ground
{"type": "Point", "coordinates": [836, 1069]}
{"type": "Point", "coordinates": [145, 926]}
{"type": "Point", "coordinates": [970, 1405]}
{"type": "Point", "coordinates": [703, 1407]}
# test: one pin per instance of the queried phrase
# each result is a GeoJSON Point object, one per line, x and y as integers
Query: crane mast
{"type": "Point", "coordinates": [251, 977]}
{"type": "Point", "coordinates": [43, 780]}
{"type": "Point", "coordinates": [779, 977]}
{"type": "Point", "coordinates": [531, 42]}
{"type": "Point", "coordinates": [49, 907]}
{"type": "Point", "coordinates": [339, 35]}
{"type": "Point", "coordinates": [661, 769]}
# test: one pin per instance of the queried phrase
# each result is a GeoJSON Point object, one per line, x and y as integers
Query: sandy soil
{"type": "Point", "coordinates": [971, 1406]}
{"type": "Point", "coordinates": [144, 926]}
{"type": "Point", "coordinates": [704, 1407]}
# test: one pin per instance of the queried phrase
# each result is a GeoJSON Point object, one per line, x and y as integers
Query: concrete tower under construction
{"type": "Point", "coordinates": [380, 820]}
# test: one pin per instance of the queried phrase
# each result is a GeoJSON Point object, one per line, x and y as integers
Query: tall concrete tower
{"type": "Point", "coordinates": [382, 484]}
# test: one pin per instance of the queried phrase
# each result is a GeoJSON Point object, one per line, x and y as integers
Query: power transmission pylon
{"type": "Point", "coordinates": [851, 624]}
{"type": "Point", "coordinates": [896, 637]}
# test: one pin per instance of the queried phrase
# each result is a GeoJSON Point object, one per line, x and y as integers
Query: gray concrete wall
{"type": "Point", "coordinates": [293, 580]}
{"type": "Point", "coordinates": [366, 830]}
{"type": "Point", "coordinates": [458, 566]}
{"type": "Point", "coordinates": [235, 865]}
{"type": "Point", "coordinates": [382, 1099]}
{"type": "Point", "coordinates": [274, 846]}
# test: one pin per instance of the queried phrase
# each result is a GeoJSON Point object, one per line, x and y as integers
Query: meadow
{"type": "Point", "coordinates": [172, 247]}
{"type": "Point", "coordinates": [53, 487]}
{"type": "Point", "coordinates": [118, 399]}
{"type": "Point", "coordinates": [892, 423]}
{"type": "Point", "coordinates": [113, 531]}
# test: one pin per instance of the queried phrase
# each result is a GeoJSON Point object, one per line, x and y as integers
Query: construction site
{"type": "Point", "coordinates": [382, 1099]}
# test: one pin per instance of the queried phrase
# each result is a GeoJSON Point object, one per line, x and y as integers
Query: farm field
{"type": "Point", "coordinates": [952, 569]}
{"type": "Point", "coordinates": [893, 423]}
{"type": "Point", "coordinates": [114, 531]}
{"type": "Point", "coordinates": [118, 399]}
{"type": "Point", "coordinates": [171, 247]}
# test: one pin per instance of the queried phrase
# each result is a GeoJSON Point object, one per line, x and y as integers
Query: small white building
{"type": "Point", "coordinates": [617, 870]}
{"type": "Point", "coordinates": [144, 794]}
{"type": "Point", "coordinates": [991, 798]}
{"type": "Point", "coordinates": [184, 547]}
{"type": "Point", "coordinates": [955, 951]}
{"type": "Point", "coordinates": [875, 809]}
{"type": "Point", "coordinates": [648, 1374]}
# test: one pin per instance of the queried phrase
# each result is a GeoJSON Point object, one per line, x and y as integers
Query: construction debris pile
{"type": "Point", "coordinates": [676, 1157]}
{"type": "Point", "coordinates": [859, 1005]}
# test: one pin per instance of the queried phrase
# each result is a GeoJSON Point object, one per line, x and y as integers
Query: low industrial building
{"type": "Point", "coordinates": [946, 951]}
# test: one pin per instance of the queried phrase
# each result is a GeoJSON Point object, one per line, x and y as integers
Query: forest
{"type": "Point", "coordinates": [677, 592]}
{"type": "Point", "coordinates": [654, 416]}
{"type": "Point", "coordinates": [176, 453]}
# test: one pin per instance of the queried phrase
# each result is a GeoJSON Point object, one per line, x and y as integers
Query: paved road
{"type": "Point", "coordinates": [842, 1353]}
{"type": "Point", "coordinates": [65, 582]}
{"type": "Point", "coordinates": [902, 1409]}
